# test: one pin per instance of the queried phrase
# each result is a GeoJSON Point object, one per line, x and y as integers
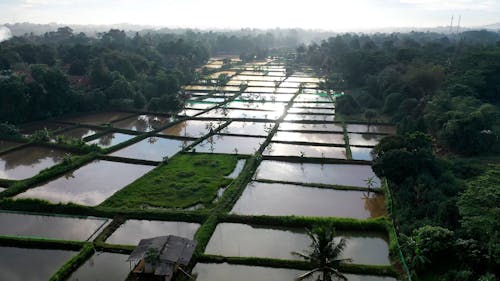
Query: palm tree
{"type": "Point", "coordinates": [324, 254]}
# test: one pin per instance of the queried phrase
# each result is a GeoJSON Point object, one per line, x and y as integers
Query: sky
{"type": "Point", "coordinates": [308, 14]}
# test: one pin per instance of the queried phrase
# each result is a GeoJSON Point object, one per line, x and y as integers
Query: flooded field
{"type": "Point", "coordinates": [103, 266]}
{"type": "Point", "coordinates": [230, 272]}
{"type": "Point", "coordinates": [364, 139]}
{"type": "Point", "coordinates": [89, 185]}
{"type": "Point", "coordinates": [23, 264]}
{"type": "Point", "coordinates": [132, 231]}
{"type": "Point", "coordinates": [111, 139]}
{"type": "Point", "coordinates": [237, 170]}
{"type": "Point", "coordinates": [248, 128]}
{"type": "Point", "coordinates": [98, 118]}
{"type": "Point", "coordinates": [314, 104]}
{"type": "Point", "coordinates": [53, 227]}
{"type": "Point", "coordinates": [324, 138]}
{"type": "Point", "coordinates": [312, 110]}
{"type": "Point", "coordinates": [142, 123]}
{"type": "Point", "coordinates": [78, 133]}
{"type": "Point", "coordinates": [298, 150]}
{"type": "Point", "coordinates": [287, 199]}
{"type": "Point", "coordinates": [309, 117]}
{"type": "Point", "coordinates": [275, 106]}
{"type": "Point", "coordinates": [335, 174]}
{"type": "Point", "coordinates": [191, 128]}
{"type": "Point", "coordinates": [381, 129]}
{"type": "Point", "coordinates": [326, 127]}
{"type": "Point", "coordinates": [6, 145]}
{"type": "Point", "coordinates": [361, 153]}
{"type": "Point", "coordinates": [243, 240]}
{"type": "Point", "coordinates": [28, 161]}
{"type": "Point", "coordinates": [30, 128]}
{"type": "Point", "coordinates": [152, 148]}
{"type": "Point", "coordinates": [230, 144]}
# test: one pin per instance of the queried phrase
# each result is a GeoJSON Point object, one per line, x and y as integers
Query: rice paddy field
{"type": "Point", "coordinates": [243, 171]}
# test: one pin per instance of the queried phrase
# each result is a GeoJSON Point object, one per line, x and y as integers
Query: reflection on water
{"type": "Point", "coordinates": [285, 149]}
{"type": "Point", "coordinates": [89, 185]}
{"type": "Point", "coordinates": [98, 118]}
{"type": "Point", "coordinates": [20, 264]}
{"type": "Point", "coordinates": [337, 174]}
{"type": "Point", "coordinates": [237, 170]}
{"type": "Point", "coordinates": [361, 153]}
{"type": "Point", "coordinates": [230, 272]}
{"type": "Point", "coordinates": [152, 148]}
{"type": "Point", "coordinates": [132, 231]}
{"type": "Point", "coordinates": [360, 128]}
{"type": "Point", "coordinates": [111, 139]}
{"type": "Point", "coordinates": [78, 133]}
{"type": "Point", "coordinates": [330, 127]}
{"type": "Point", "coordinates": [364, 139]}
{"type": "Point", "coordinates": [312, 110]}
{"type": "Point", "coordinates": [309, 117]}
{"type": "Point", "coordinates": [103, 266]}
{"type": "Point", "coordinates": [55, 227]}
{"type": "Point", "coordinates": [191, 128]}
{"type": "Point", "coordinates": [142, 123]}
{"type": "Point", "coordinates": [249, 128]}
{"type": "Point", "coordinates": [286, 199]}
{"type": "Point", "coordinates": [242, 240]}
{"type": "Point", "coordinates": [326, 138]}
{"type": "Point", "coordinates": [314, 104]}
{"type": "Point", "coordinates": [230, 144]}
{"type": "Point", "coordinates": [28, 161]}
{"type": "Point", "coordinates": [4, 145]}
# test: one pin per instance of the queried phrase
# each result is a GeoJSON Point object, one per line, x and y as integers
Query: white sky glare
{"type": "Point", "coordinates": [320, 14]}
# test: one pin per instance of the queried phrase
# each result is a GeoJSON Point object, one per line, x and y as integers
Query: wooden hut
{"type": "Point", "coordinates": [162, 256]}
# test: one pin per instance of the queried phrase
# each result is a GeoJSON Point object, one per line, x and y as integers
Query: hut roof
{"type": "Point", "coordinates": [173, 250]}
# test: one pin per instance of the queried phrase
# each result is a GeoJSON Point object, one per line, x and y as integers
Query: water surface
{"type": "Point", "coordinates": [318, 151]}
{"type": "Point", "coordinates": [287, 199]}
{"type": "Point", "coordinates": [89, 185]}
{"type": "Point", "coordinates": [330, 127]}
{"type": "Point", "coordinates": [28, 161]}
{"type": "Point", "coordinates": [237, 170]}
{"type": "Point", "coordinates": [364, 139]}
{"type": "Point", "coordinates": [5, 144]}
{"type": "Point", "coordinates": [191, 128]}
{"type": "Point", "coordinates": [231, 272]}
{"type": "Point", "coordinates": [23, 264]}
{"type": "Point", "coordinates": [382, 129]}
{"type": "Point", "coordinates": [243, 240]}
{"type": "Point", "coordinates": [152, 148]}
{"type": "Point", "coordinates": [142, 123]}
{"type": "Point", "coordinates": [248, 128]}
{"type": "Point", "coordinates": [230, 144]}
{"type": "Point", "coordinates": [111, 139]}
{"type": "Point", "coordinates": [78, 133]}
{"type": "Point", "coordinates": [336, 174]}
{"type": "Point", "coordinates": [309, 117]}
{"type": "Point", "coordinates": [361, 153]}
{"type": "Point", "coordinates": [45, 226]}
{"type": "Point", "coordinates": [103, 267]}
{"type": "Point", "coordinates": [324, 138]}
{"type": "Point", "coordinates": [132, 231]}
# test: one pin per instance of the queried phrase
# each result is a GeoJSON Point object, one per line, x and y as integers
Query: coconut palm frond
{"type": "Point", "coordinates": [338, 274]}
{"type": "Point", "coordinates": [302, 255]}
{"type": "Point", "coordinates": [307, 275]}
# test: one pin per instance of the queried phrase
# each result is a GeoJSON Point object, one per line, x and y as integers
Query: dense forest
{"type": "Point", "coordinates": [443, 93]}
{"type": "Point", "coordinates": [60, 71]}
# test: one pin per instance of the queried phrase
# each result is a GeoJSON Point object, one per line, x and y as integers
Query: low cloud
{"type": "Point", "coordinates": [5, 33]}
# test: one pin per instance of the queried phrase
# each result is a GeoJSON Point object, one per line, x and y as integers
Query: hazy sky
{"type": "Point", "coordinates": [323, 14]}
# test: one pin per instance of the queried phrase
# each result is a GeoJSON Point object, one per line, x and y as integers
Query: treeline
{"type": "Point", "coordinates": [62, 72]}
{"type": "Point", "coordinates": [443, 94]}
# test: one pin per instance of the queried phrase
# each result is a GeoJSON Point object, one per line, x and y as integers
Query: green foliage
{"type": "Point", "coordinates": [187, 180]}
{"type": "Point", "coordinates": [347, 105]}
{"type": "Point", "coordinates": [9, 130]}
{"type": "Point", "coordinates": [73, 263]}
{"type": "Point", "coordinates": [480, 212]}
